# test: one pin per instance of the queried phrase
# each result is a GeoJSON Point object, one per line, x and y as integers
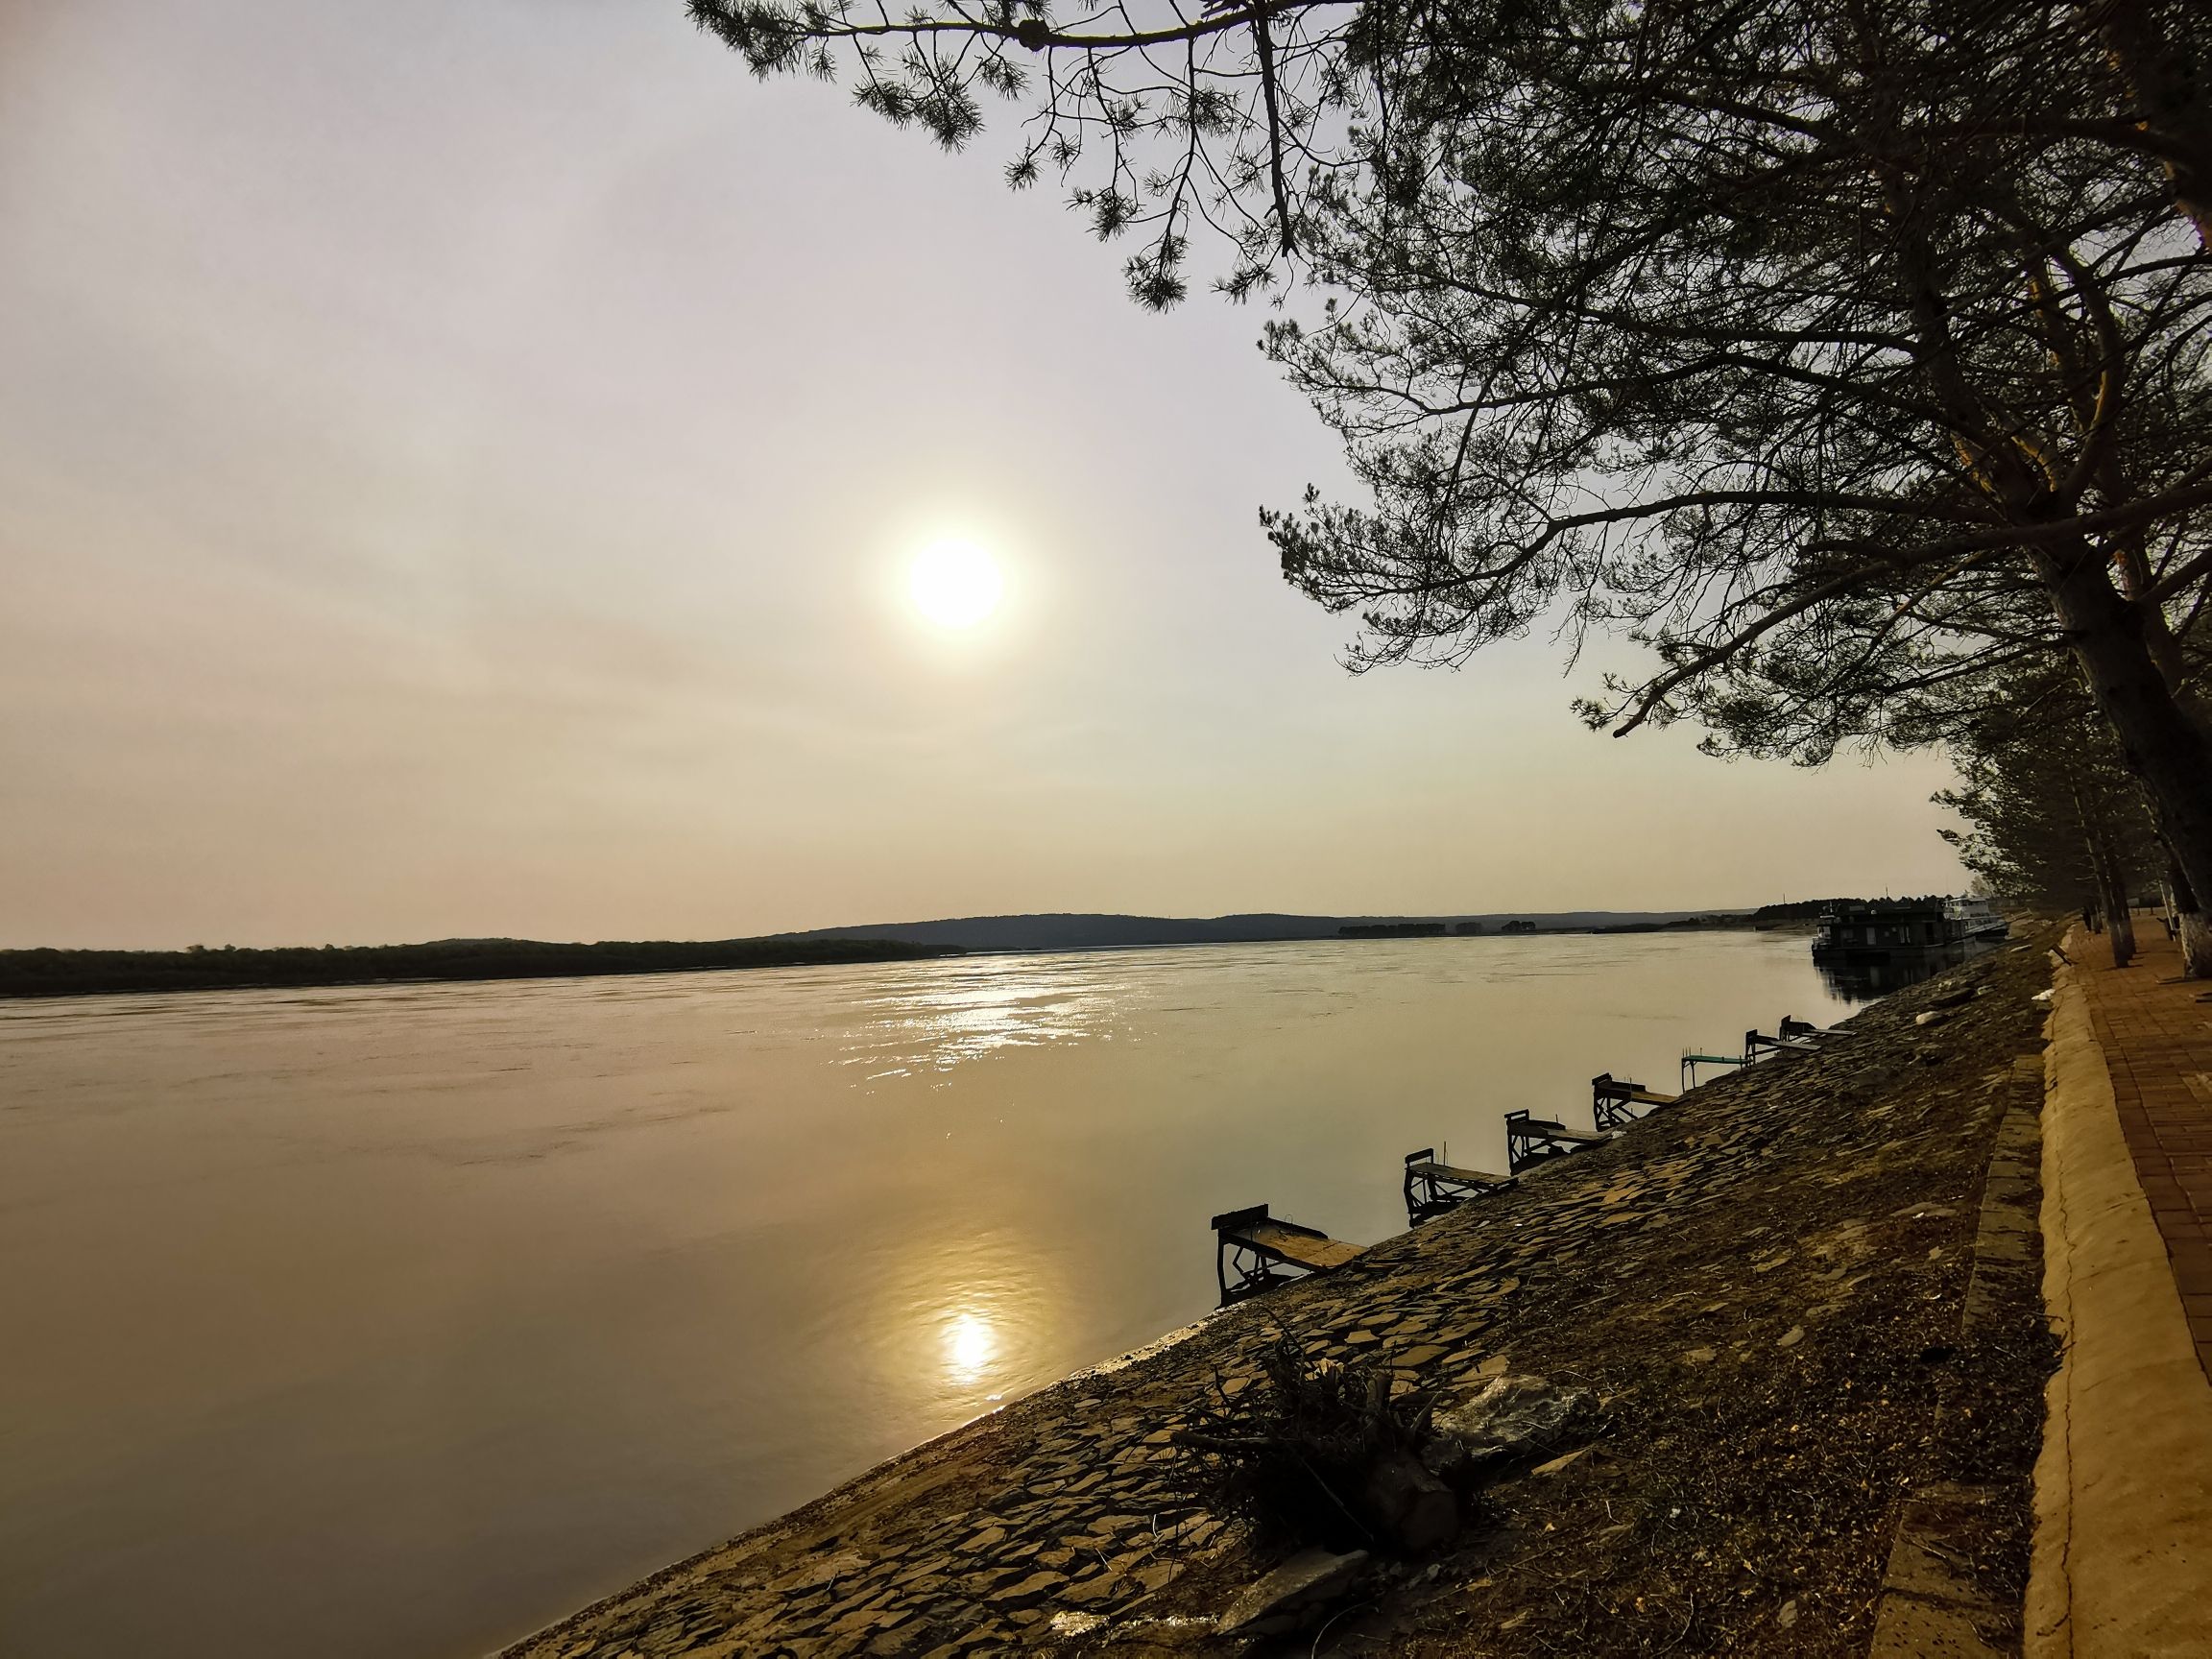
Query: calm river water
{"type": "Point", "coordinates": [398, 1321]}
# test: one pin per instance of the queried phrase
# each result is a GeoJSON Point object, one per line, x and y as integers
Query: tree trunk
{"type": "Point", "coordinates": [2196, 935]}
{"type": "Point", "coordinates": [2190, 924]}
{"type": "Point", "coordinates": [2122, 928]}
{"type": "Point", "coordinates": [2133, 565]}
{"type": "Point", "coordinates": [2165, 748]}
{"type": "Point", "coordinates": [2111, 886]}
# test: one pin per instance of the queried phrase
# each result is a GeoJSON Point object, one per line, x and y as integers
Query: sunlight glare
{"type": "Point", "coordinates": [969, 1345]}
{"type": "Point", "coordinates": [954, 584]}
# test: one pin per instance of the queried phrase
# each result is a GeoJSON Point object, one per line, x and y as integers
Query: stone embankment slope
{"type": "Point", "coordinates": [2124, 1490]}
{"type": "Point", "coordinates": [1806, 1293]}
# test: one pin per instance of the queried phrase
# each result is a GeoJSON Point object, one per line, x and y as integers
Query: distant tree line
{"type": "Point", "coordinates": [1679, 925]}
{"type": "Point", "coordinates": [1798, 910]}
{"type": "Point", "coordinates": [2053, 817]}
{"type": "Point", "coordinates": [49, 973]}
{"type": "Point", "coordinates": [1853, 356]}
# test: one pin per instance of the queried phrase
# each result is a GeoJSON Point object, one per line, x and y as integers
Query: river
{"type": "Point", "coordinates": [399, 1321]}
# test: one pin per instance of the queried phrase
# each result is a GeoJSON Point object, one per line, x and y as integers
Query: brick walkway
{"type": "Point", "coordinates": [2157, 1043]}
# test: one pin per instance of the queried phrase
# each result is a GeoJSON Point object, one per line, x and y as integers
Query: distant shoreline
{"type": "Point", "coordinates": [41, 973]}
{"type": "Point", "coordinates": [1063, 930]}
{"type": "Point", "coordinates": [44, 972]}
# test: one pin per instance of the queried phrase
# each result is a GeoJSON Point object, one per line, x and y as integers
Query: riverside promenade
{"type": "Point", "coordinates": [2123, 1563]}
{"type": "Point", "coordinates": [2155, 1030]}
{"type": "Point", "coordinates": [1806, 1298]}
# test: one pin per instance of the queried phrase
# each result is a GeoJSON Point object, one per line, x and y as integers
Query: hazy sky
{"type": "Point", "coordinates": [458, 465]}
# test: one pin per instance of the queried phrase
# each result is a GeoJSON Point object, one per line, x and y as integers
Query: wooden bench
{"type": "Point", "coordinates": [1691, 1061]}
{"type": "Point", "coordinates": [1433, 1188]}
{"type": "Point", "coordinates": [1533, 1140]}
{"type": "Point", "coordinates": [1758, 1042]}
{"type": "Point", "coordinates": [1252, 1246]}
{"type": "Point", "coordinates": [1615, 1102]}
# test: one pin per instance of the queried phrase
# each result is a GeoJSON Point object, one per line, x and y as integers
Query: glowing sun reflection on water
{"type": "Point", "coordinates": [963, 1323]}
{"type": "Point", "coordinates": [943, 1016]}
{"type": "Point", "coordinates": [970, 1344]}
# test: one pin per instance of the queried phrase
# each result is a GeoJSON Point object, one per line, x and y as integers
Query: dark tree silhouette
{"type": "Point", "coordinates": [1844, 353]}
{"type": "Point", "coordinates": [1763, 344]}
{"type": "Point", "coordinates": [2052, 816]}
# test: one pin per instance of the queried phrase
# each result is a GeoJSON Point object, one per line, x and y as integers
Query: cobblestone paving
{"type": "Point", "coordinates": [1791, 1199]}
{"type": "Point", "coordinates": [1929, 1605]}
{"type": "Point", "coordinates": [2157, 1041]}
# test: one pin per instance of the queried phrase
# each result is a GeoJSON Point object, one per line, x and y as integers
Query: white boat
{"type": "Point", "coordinates": [1977, 918]}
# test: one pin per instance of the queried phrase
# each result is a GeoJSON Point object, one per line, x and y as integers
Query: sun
{"type": "Point", "coordinates": [954, 584]}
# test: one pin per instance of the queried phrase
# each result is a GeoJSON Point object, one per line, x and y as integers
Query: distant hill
{"type": "Point", "coordinates": [1089, 931]}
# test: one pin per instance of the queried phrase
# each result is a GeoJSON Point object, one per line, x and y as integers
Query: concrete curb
{"type": "Point", "coordinates": [2123, 1554]}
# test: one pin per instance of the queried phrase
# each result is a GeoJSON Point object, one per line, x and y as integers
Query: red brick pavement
{"type": "Point", "coordinates": [2157, 1043]}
